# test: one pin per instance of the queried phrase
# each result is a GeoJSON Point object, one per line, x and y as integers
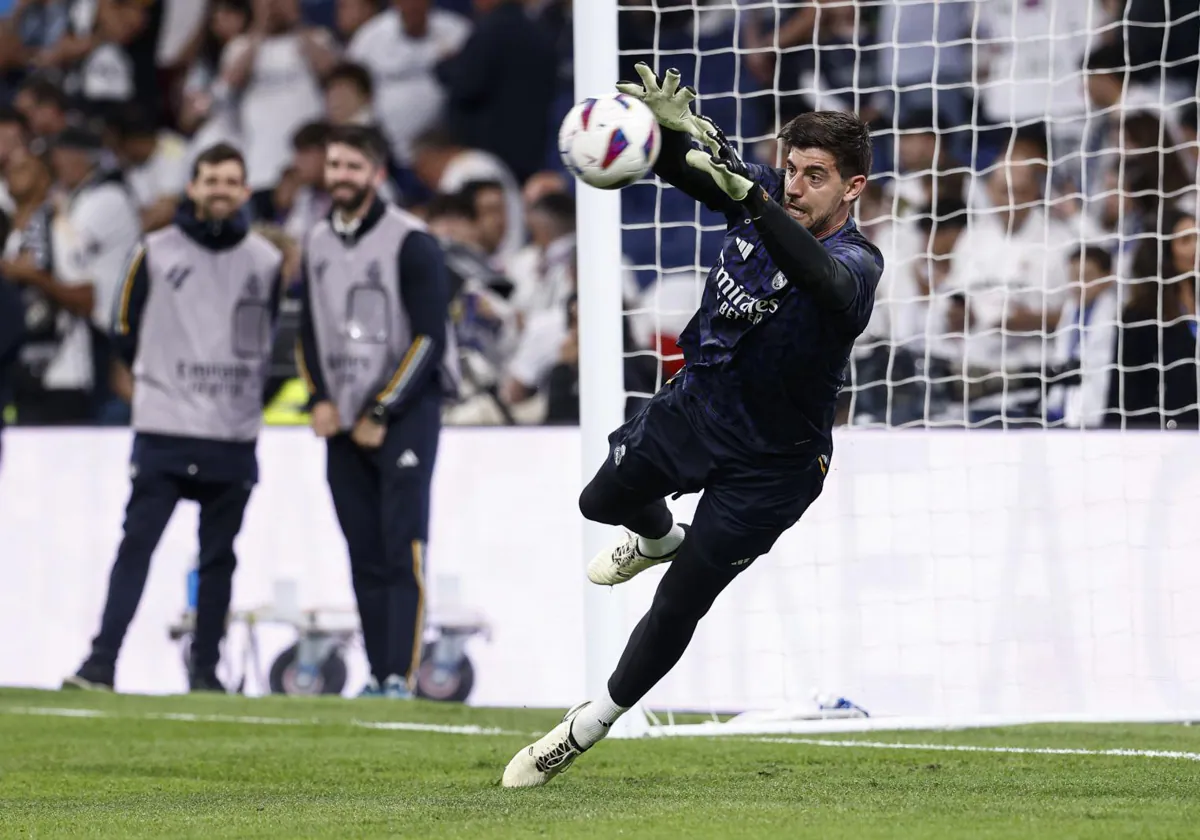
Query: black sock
{"type": "Point", "coordinates": [684, 596]}
{"type": "Point", "coordinates": [653, 521]}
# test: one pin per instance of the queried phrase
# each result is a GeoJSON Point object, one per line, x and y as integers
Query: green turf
{"type": "Point", "coordinates": [134, 772]}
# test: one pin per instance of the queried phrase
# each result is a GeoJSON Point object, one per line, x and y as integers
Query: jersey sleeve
{"type": "Point", "coordinates": [864, 265]}
{"type": "Point", "coordinates": [769, 178]}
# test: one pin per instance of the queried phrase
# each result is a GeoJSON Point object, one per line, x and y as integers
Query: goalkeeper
{"type": "Point", "coordinates": [749, 419]}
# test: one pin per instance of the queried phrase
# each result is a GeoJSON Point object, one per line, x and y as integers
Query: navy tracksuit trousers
{"type": "Point", "coordinates": [219, 478]}
{"type": "Point", "coordinates": [381, 498]}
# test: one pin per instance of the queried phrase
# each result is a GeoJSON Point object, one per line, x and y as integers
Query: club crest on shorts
{"type": "Point", "coordinates": [618, 454]}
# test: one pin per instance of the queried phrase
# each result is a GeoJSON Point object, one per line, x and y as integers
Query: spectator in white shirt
{"type": "Point", "coordinates": [156, 166]}
{"type": "Point", "coordinates": [208, 113]}
{"type": "Point", "coordinates": [1014, 259]}
{"type": "Point", "coordinates": [400, 47]}
{"type": "Point", "coordinates": [55, 373]}
{"type": "Point", "coordinates": [905, 345]}
{"type": "Point", "coordinates": [542, 270]}
{"type": "Point", "coordinates": [277, 67]}
{"type": "Point", "coordinates": [301, 199]}
{"type": "Point", "coordinates": [1011, 273]}
{"type": "Point", "coordinates": [1031, 63]}
{"type": "Point", "coordinates": [102, 220]}
{"type": "Point", "coordinates": [1085, 344]}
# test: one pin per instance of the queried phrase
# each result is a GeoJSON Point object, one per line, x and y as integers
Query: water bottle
{"type": "Point", "coordinates": [830, 702]}
{"type": "Point", "coordinates": [193, 588]}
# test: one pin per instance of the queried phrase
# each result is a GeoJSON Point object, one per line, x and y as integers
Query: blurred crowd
{"type": "Point", "coordinates": [1034, 188]}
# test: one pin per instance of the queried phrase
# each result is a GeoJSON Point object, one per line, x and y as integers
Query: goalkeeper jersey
{"type": "Point", "coordinates": [764, 361]}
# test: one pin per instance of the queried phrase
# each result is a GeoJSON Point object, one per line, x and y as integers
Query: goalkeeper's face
{"type": "Point", "coordinates": [815, 193]}
{"type": "Point", "coordinates": [351, 177]}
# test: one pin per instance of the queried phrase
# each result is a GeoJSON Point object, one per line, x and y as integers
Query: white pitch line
{"type": "Point", "coordinates": [435, 727]}
{"type": "Point", "coordinates": [52, 712]}
{"type": "Point", "coordinates": [885, 745]}
{"type": "Point", "coordinates": [187, 717]}
{"type": "Point", "coordinates": [473, 730]}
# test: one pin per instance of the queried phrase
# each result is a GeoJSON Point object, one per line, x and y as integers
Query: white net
{"type": "Point", "coordinates": [1034, 195]}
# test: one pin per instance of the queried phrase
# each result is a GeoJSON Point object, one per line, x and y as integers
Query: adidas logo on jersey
{"type": "Point", "coordinates": [408, 459]}
{"type": "Point", "coordinates": [744, 248]}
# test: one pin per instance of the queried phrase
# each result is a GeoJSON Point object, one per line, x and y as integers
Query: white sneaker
{"type": "Point", "coordinates": [624, 560]}
{"type": "Point", "coordinates": [546, 757]}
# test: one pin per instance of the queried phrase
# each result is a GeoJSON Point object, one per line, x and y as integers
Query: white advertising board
{"type": "Point", "coordinates": [945, 573]}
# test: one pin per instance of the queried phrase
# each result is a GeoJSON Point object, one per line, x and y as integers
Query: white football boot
{"type": "Point", "coordinates": [546, 757]}
{"type": "Point", "coordinates": [624, 560]}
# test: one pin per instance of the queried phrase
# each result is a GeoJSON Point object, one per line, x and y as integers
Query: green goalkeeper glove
{"type": "Point", "coordinates": [671, 105]}
{"type": "Point", "coordinates": [724, 165]}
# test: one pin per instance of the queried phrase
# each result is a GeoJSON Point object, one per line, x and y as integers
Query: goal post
{"type": "Point", "coordinates": [601, 349]}
{"type": "Point", "coordinates": [1006, 532]}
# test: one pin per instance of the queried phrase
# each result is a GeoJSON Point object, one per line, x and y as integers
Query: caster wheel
{"type": "Point", "coordinates": [451, 685]}
{"type": "Point", "coordinates": [288, 678]}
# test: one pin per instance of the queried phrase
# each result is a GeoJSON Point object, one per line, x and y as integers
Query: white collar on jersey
{"type": "Point", "coordinates": [343, 226]}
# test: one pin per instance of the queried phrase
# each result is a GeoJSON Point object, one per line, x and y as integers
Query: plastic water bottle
{"type": "Point", "coordinates": [827, 702]}
{"type": "Point", "coordinates": [193, 588]}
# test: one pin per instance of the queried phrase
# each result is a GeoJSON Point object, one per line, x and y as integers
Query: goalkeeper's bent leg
{"type": "Point", "coordinates": [633, 501]}
{"type": "Point", "coordinates": [633, 498]}
{"type": "Point", "coordinates": [684, 596]}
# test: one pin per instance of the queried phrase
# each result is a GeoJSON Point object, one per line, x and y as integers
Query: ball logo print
{"type": "Point", "coordinates": [609, 141]}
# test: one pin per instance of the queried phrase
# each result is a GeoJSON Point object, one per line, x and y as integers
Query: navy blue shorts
{"type": "Point", "coordinates": [748, 500]}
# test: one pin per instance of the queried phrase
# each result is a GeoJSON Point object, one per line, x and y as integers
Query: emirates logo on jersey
{"type": "Point", "coordinates": [739, 304]}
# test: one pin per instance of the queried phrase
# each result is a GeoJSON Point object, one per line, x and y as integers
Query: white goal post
{"type": "Point", "coordinates": [1006, 534]}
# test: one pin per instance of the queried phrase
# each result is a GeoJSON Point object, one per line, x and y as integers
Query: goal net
{"type": "Point", "coordinates": [1007, 531]}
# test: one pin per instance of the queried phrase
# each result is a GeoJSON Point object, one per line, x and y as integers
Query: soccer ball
{"type": "Point", "coordinates": [609, 141]}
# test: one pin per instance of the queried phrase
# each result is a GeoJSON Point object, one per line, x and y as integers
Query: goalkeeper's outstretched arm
{"type": "Point", "coordinates": [801, 257]}
{"type": "Point", "coordinates": [672, 167]}
{"type": "Point", "coordinates": [672, 109]}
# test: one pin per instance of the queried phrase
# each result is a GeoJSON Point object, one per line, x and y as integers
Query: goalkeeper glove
{"type": "Point", "coordinates": [671, 105]}
{"type": "Point", "coordinates": [724, 165]}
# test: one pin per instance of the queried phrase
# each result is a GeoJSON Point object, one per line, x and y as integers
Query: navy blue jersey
{"type": "Point", "coordinates": [763, 358]}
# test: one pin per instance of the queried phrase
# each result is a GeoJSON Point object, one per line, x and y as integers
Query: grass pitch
{"type": "Point", "coordinates": [84, 765]}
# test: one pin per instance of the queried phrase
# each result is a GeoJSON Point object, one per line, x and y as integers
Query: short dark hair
{"type": "Point", "coordinates": [364, 138]}
{"type": "Point", "coordinates": [436, 137]}
{"type": "Point", "coordinates": [840, 133]}
{"type": "Point", "coordinates": [1033, 134]}
{"type": "Point", "coordinates": [472, 189]}
{"type": "Point", "coordinates": [1094, 253]}
{"type": "Point", "coordinates": [1188, 117]}
{"type": "Point", "coordinates": [311, 135]}
{"type": "Point", "coordinates": [558, 206]}
{"type": "Point", "coordinates": [11, 116]}
{"type": "Point", "coordinates": [450, 206]}
{"type": "Point", "coordinates": [355, 74]}
{"type": "Point", "coordinates": [220, 153]}
{"type": "Point", "coordinates": [478, 185]}
{"type": "Point", "coordinates": [132, 120]}
{"type": "Point", "coordinates": [947, 212]}
{"type": "Point", "coordinates": [46, 92]}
